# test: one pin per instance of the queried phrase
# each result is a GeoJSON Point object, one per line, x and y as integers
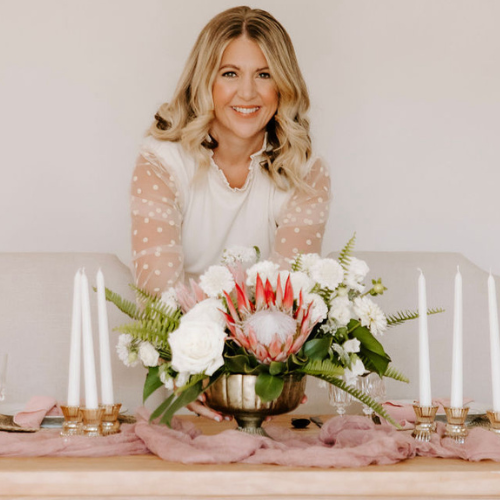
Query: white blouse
{"type": "Point", "coordinates": [182, 223]}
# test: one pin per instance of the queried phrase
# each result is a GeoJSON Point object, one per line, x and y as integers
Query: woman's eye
{"type": "Point", "coordinates": [229, 74]}
{"type": "Point", "coordinates": [264, 75]}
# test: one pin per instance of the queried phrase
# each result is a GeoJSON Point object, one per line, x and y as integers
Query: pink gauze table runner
{"type": "Point", "coordinates": [350, 441]}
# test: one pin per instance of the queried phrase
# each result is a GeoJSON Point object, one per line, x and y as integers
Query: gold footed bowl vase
{"type": "Point", "coordinates": [235, 395]}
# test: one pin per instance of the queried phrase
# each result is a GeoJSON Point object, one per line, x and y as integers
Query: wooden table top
{"type": "Point", "coordinates": [148, 477]}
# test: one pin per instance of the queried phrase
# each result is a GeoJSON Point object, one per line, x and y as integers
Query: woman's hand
{"type": "Point", "coordinates": [202, 410]}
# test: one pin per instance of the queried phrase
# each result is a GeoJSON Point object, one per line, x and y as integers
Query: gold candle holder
{"type": "Point", "coordinates": [92, 421]}
{"type": "Point", "coordinates": [494, 418]}
{"type": "Point", "coordinates": [110, 424]}
{"type": "Point", "coordinates": [72, 425]}
{"type": "Point", "coordinates": [424, 424]}
{"type": "Point", "coordinates": [455, 427]}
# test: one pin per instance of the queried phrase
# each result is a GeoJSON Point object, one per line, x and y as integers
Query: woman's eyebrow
{"type": "Point", "coordinates": [233, 66]}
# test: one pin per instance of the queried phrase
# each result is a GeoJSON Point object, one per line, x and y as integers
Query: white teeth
{"type": "Point", "coordinates": [246, 111]}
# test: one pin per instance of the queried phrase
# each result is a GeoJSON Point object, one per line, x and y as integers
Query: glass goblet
{"type": "Point", "coordinates": [372, 385]}
{"type": "Point", "coordinates": [339, 399]}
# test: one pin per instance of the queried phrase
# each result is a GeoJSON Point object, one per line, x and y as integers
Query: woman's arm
{"type": "Point", "coordinates": [156, 226]}
{"type": "Point", "coordinates": [301, 223]}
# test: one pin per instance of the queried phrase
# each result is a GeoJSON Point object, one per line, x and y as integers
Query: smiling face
{"type": "Point", "coordinates": [244, 93]}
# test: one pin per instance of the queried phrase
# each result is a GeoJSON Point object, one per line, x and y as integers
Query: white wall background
{"type": "Point", "coordinates": [406, 111]}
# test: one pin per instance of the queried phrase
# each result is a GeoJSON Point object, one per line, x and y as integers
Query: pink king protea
{"type": "Point", "coordinates": [271, 328]}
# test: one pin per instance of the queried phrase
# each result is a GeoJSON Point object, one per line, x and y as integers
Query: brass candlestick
{"type": "Point", "coordinates": [72, 425]}
{"type": "Point", "coordinates": [455, 427]}
{"type": "Point", "coordinates": [424, 424]}
{"type": "Point", "coordinates": [92, 421]}
{"type": "Point", "coordinates": [110, 424]}
{"type": "Point", "coordinates": [494, 418]}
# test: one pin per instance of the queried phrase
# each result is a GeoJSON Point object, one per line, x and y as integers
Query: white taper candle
{"type": "Point", "coordinates": [88, 348]}
{"type": "Point", "coordinates": [457, 398]}
{"type": "Point", "coordinates": [75, 352]}
{"type": "Point", "coordinates": [494, 342]}
{"type": "Point", "coordinates": [423, 344]}
{"type": "Point", "coordinates": [106, 373]}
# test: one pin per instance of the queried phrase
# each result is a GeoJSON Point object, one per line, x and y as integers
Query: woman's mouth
{"type": "Point", "coordinates": [246, 111]}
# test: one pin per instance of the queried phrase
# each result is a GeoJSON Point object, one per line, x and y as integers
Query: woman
{"type": "Point", "coordinates": [229, 161]}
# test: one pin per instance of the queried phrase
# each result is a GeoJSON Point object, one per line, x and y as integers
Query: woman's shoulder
{"type": "Point", "coordinates": [169, 158]}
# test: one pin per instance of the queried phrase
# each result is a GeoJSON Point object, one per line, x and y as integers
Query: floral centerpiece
{"type": "Point", "coordinates": [247, 316]}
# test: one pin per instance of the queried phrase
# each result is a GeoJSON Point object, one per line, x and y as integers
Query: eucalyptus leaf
{"type": "Point", "coordinates": [186, 397]}
{"type": "Point", "coordinates": [159, 411]}
{"type": "Point", "coordinates": [276, 367]}
{"type": "Point", "coordinates": [152, 382]}
{"type": "Point", "coordinates": [268, 387]}
{"type": "Point", "coordinates": [317, 349]}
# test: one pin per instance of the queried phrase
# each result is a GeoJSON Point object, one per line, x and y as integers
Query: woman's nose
{"type": "Point", "coordinates": [247, 89]}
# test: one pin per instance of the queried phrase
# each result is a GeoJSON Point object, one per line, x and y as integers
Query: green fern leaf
{"type": "Point", "coordinates": [127, 307]}
{"type": "Point", "coordinates": [324, 367]}
{"type": "Point", "coordinates": [143, 295]}
{"type": "Point", "coordinates": [401, 316]}
{"type": "Point", "coordinates": [297, 264]}
{"type": "Point", "coordinates": [391, 372]}
{"type": "Point", "coordinates": [346, 253]}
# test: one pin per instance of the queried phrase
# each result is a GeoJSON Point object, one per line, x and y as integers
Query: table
{"type": "Point", "coordinates": [148, 477]}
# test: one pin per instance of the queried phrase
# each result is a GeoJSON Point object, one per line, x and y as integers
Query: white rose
{"type": "Point", "coordinates": [207, 310]}
{"type": "Point", "coordinates": [328, 273]}
{"type": "Point", "coordinates": [356, 273]}
{"type": "Point", "coordinates": [351, 345]}
{"type": "Point", "coordinates": [197, 347]}
{"type": "Point", "coordinates": [340, 311]}
{"type": "Point", "coordinates": [148, 354]}
{"type": "Point", "coordinates": [167, 380]}
{"type": "Point", "coordinates": [216, 280]}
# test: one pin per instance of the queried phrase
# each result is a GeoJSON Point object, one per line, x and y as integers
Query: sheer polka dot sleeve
{"type": "Point", "coordinates": [156, 226]}
{"type": "Point", "coordinates": [301, 222]}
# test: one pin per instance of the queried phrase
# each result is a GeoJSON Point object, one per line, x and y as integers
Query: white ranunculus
{"type": "Point", "coordinates": [148, 354]}
{"type": "Point", "coordinates": [216, 280]}
{"type": "Point", "coordinates": [269, 324]}
{"type": "Point", "coordinates": [207, 310]}
{"type": "Point", "coordinates": [328, 273]}
{"type": "Point", "coordinates": [356, 273]}
{"type": "Point", "coordinates": [169, 298]}
{"type": "Point", "coordinates": [319, 310]}
{"type": "Point", "coordinates": [197, 347]}
{"type": "Point", "coordinates": [266, 269]}
{"type": "Point", "coordinates": [357, 369]}
{"type": "Point", "coordinates": [351, 345]}
{"type": "Point", "coordinates": [370, 315]}
{"type": "Point", "coordinates": [126, 351]}
{"type": "Point", "coordinates": [340, 311]}
{"type": "Point", "coordinates": [300, 281]}
{"type": "Point", "coordinates": [245, 255]}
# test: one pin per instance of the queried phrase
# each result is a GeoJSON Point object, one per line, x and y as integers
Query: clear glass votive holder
{"type": "Point", "coordinates": [92, 421]}
{"type": "Point", "coordinates": [72, 425]}
{"type": "Point", "coordinates": [424, 423]}
{"type": "Point", "coordinates": [455, 426]}
{"type": "Point", "coordinates": [110, 424]}
{"type": "Point", "coordinates": [494, 418]}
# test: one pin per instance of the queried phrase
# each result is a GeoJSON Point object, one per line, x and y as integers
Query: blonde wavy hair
{"type": "Point", "coordinates": [188, 116]}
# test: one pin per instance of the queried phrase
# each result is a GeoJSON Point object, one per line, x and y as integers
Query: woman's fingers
{"type": "Point", "coordinates": [204, 411]}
